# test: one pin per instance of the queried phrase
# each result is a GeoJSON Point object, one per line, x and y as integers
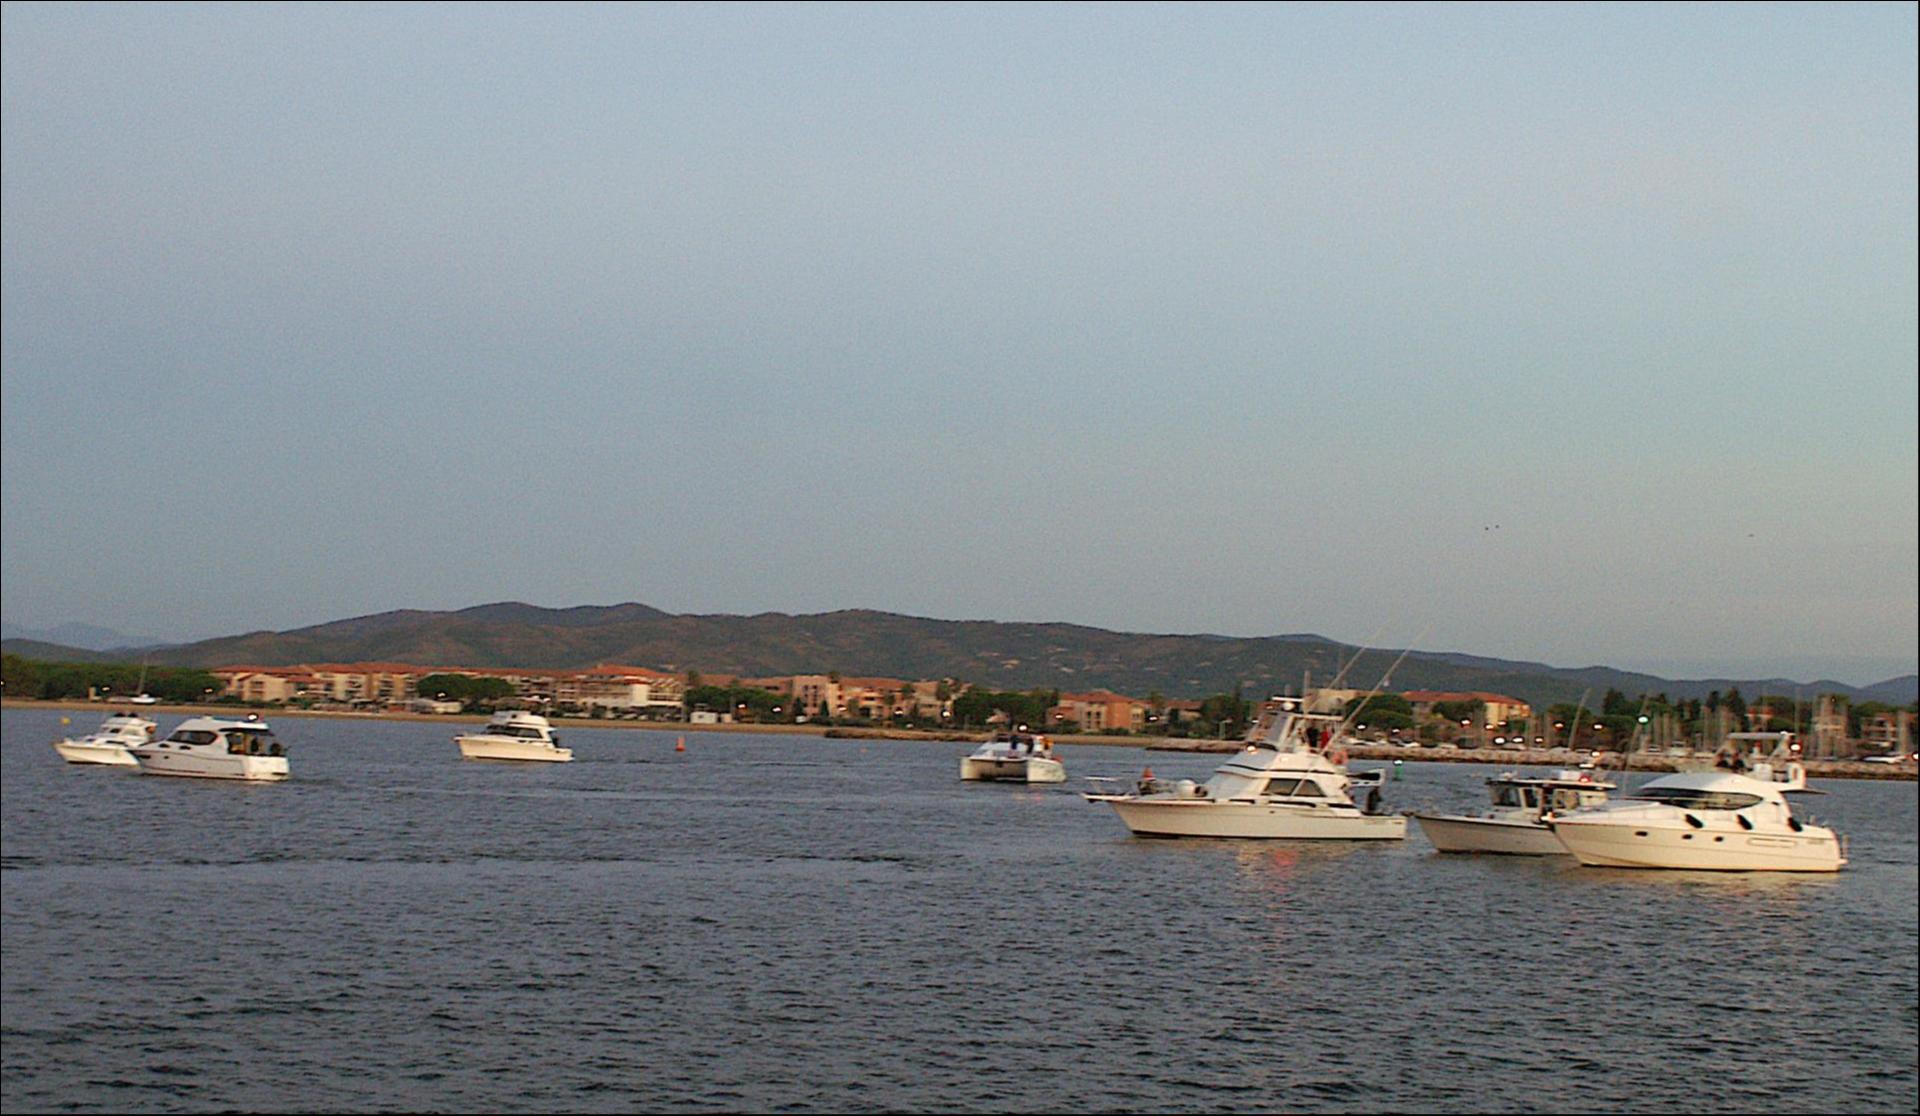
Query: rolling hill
{"type": "Point", "coordinates": [995, 654]}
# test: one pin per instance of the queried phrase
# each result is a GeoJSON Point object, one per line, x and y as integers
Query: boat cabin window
{"type": "Point", "coordinates": [1232, 786]}
{"type": "Point", "coordinates": [1570, 798]}
{"type": "Point", "coordinates": [241, 743]}
{"type": "Point", "coordinates": [1294, 788]}
{"type": "Point", "coordinates": [191, 736]}
{"type": "Point", "coordinates": [1691, 799]}
{"type": "Point", "coordinates": [526, 732]}
{"type": "Point", "coordinates": [1506, 795]}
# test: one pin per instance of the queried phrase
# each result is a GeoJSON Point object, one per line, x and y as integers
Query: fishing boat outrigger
{"type": "Point", "coordinates": [1289, 781]}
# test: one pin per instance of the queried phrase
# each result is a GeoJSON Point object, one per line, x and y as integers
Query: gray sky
{"type": "Point", "coordinates": [1576, 334]}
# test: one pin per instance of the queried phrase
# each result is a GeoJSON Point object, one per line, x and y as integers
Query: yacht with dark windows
{"type": "Point", "coordinates": [216, 748]}
{"type": "Point", "coordinates": [1723, 821]}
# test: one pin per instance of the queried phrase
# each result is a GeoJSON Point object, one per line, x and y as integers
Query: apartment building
{"type": "Point", "coordinates": [615, 687]}
{"type": "Point", "coordinates": [1100, 711]}
{"type": "Point", "coordinates": [266, 685]}
{"type": "Point", "coordinates": [1500, 709]}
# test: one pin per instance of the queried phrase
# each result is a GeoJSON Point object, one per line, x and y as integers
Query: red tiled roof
{"type": "Point", "coordinates": [1099, 697]}
{"type": "Point", "coordinates": [1426, 696]}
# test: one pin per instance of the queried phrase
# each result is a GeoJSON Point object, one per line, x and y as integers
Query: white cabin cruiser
{"type": "Point", "coordinates": [216, 748]}
{"type": "Point", "coordinates": [1014, 757]}
{"type": "Point", "coordinates": [1516, 825]}
{"type": "Point", "coordinates": [1721, 821]}
{"type": "Point", "coordinates": [1289, 782]}
{"type": "Point", "coordinates": [515, 735]}
{"type": "Point", "coordinates": [108, 744]}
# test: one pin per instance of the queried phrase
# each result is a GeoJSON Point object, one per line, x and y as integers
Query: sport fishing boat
{"type": "Point", "coordinates": [1516, 825]}
{"type": "Point", "coordinates": [108, 744]}
{"type": "Point", "coordinates": [515, 735]}
{"type": "Point", "coordinates": [216, 748]}
{"type": "Point", "coordinates": [1722, 821]}
{"type": "Point", "coordinates": [1014, 757]}
{"type": "Point", "coordinates": [1289, 781]}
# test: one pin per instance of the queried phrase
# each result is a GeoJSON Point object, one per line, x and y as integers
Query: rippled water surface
{"type": "Point", "coordinates": [799, 924]}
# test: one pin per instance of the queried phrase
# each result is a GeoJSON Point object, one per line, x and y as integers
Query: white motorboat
{"type": "Point", "coordinates": [1014, 757]}
{"type": "Point", "coordinates": [515, 735]}
{"type": "Point", "coordinates": [1719, 820]}
{"type": "Point", "coordinates": [108, 744]}
{"type": "Point", "coordinates": [1516, 824]}
{"type": "Point", "coordinates": [216, 748]}
{"type": "Point", "coordinates": [1289, 781]}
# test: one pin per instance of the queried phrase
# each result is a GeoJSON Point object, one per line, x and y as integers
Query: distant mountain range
{"type": "Point", "coordinates": [87, 637]}
{"type": "Point", "coordinates": [997, 655]}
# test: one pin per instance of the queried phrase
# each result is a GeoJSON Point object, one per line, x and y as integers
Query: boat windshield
{"type": "Point", "coordinates": [249, 741]}
{"type": "Point", "coordinates": [1507, 795]}
{"type": "Point", "coordinates": [1567, 798]}
{"type": "Point", "coordinates": [1689, 798]}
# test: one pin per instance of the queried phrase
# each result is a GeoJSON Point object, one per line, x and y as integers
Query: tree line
{"type": "Point", "coordinates": [32, 678]}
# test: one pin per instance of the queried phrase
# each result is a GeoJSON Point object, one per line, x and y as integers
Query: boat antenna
{"type": "Point", "coordinates": [1355, 661]}
{"type": "Point", "coordinates": [1362, 703]}
{"type": "Point", "coordinates": [1626, 755]}
{"type": "Point", "coordinates": [1573, 726]}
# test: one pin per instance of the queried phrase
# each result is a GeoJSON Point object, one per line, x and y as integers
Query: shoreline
{"type": "Point", "coordinates": [1816, 768]}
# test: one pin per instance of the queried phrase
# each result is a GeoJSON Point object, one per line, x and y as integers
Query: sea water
{"type": "Point", "coordinates": [791, 923]}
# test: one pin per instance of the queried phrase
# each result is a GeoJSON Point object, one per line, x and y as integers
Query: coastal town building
{"type": "Point", "coordinates": [873, 698]}
{"type": "Point", "coordinates": [1499, 709]}
{"type": "Point", "coordinates": [619, 689]}
{"type": "Point", "coordinates": [1100, 711]}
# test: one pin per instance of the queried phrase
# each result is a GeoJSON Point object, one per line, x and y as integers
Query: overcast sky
{"type": "Point", "coordinates": [1579, 334]}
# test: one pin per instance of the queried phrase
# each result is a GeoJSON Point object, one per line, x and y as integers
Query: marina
{"type": "Point", "coordinates": [1281, 558]}
{"type": "Point", "coordinates": [688, 946]}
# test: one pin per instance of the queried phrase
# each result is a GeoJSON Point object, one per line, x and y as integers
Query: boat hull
{"type": "Point", "coordinates": [1178, 818]}
{"type": "Point", "coordinates": [257, 769]}
{"type": "Point", "coordinates": [496, 748]}
{"type": "Point", "coordinates": [1458, 834]}
{"type": "Point", "coordinates": [1645, 845]}
{"type": "Point", "coordinates": [1027, 769]}
{"type": "Point", "coordinates": [114, 755]}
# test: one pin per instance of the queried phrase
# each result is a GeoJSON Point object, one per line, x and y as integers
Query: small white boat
{"type": "Point", "coordinates": [1516, 825]}
{"type": "Point", "coordinates": [1014, 757]}
{"type": "Point", "coordinates": [109, 743]}
{"type": "Point", "coordinates": [1289, 782]}
{"type": "Point", "coordinates": [1721, 821]}
{"type": "Point", "coordinates": [216, 748]}
{"type": "Point", "coordinates": [515, 735]}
